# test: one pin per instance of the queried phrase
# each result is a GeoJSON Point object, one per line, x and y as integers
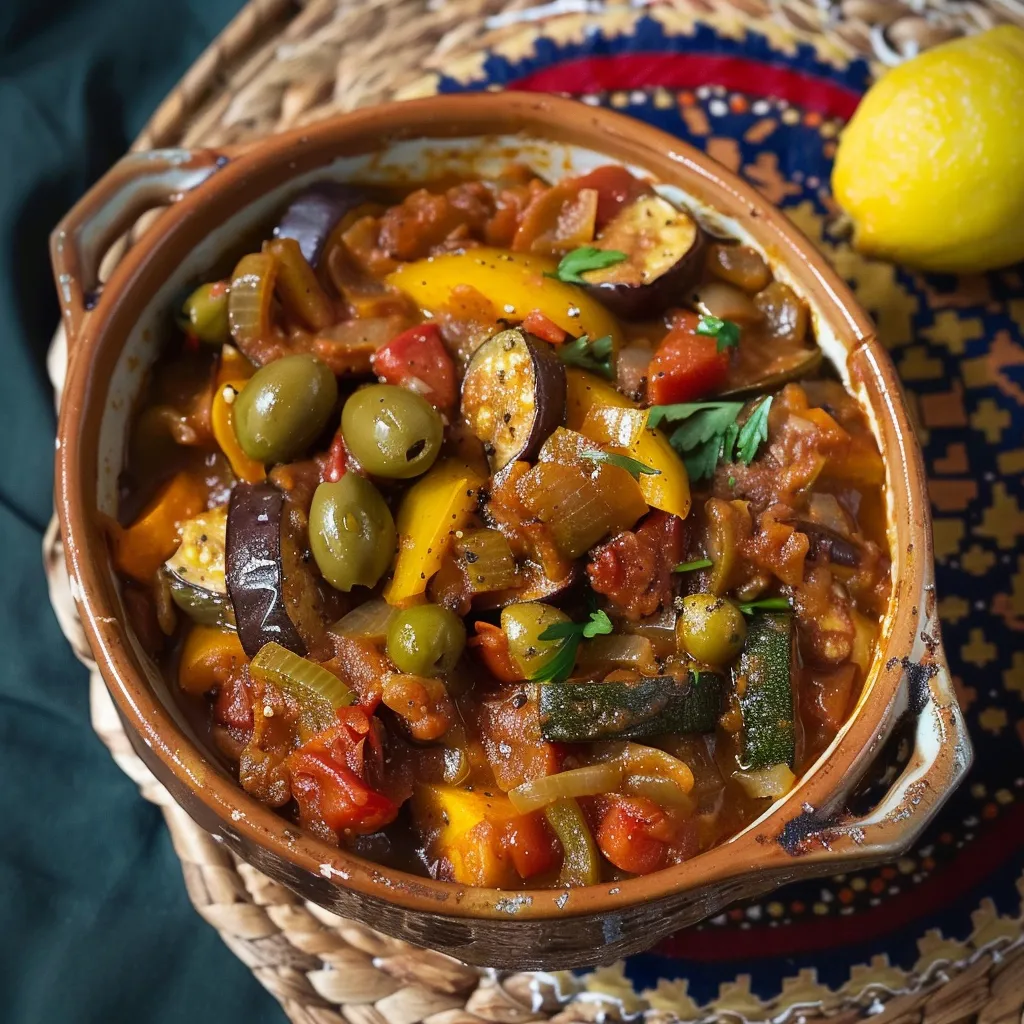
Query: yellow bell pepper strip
{"type": "Point", "coordinates": [140, 549]}
{"type": "Point", "coordinates": [210, 654]}
{"type": "Point", "coordinates": [626, 427]}
{"type": "Point", "coordinates": [584, 390]}
{"type": "Point", "coordinates": [233, 365]}
{"type": "Point", "coordinates": [431, 511]}
{"type": "Point", "coordinates": [480, 834]}
{"type": "Point", "coordinates": [222, 419]}
{"type": "Point", "coordinates": [513, 282]}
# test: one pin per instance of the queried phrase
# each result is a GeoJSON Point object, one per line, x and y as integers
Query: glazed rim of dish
{"type": "Point", "coordinates": [840, 327]}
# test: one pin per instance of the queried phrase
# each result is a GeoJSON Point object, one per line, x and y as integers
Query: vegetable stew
{"type": "Point", "coordinates": [505, 531]}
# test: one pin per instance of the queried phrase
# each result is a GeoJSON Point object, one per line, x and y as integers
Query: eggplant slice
{"type": "Point", "coordinates": [513, 395]}
{"type": "Point", "coordinates": [195, 572]}
{"type": "Point", "coordinates": [313, 214]}
{"type": "Point", "coordinates": [255, 573]}
{"type": "Point", "coordinates": [664, 249]}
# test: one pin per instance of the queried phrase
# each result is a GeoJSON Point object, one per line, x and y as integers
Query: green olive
{"type": "Point", "coordinates": [284, 407]}
{"type": "Point", "coordinates": [426, 640]}
{"type": "Point", "coordinates": [351, 532]}
{"type": "Point", "coordinates": [523, 625]}
{"type": "Point", "coordinates": [711, 628]}
{"type": "Point", "coordinates": [391, 431]}
{"type": "Point", "coordinates": [205, 313]}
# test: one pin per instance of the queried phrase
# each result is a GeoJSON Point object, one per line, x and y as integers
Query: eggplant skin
{"type": "Point", "coordinates": [312, 215]}
{"type": "Point", "coordinates": [513, 395]}
{"type": "Point", "coordinates": [254, 570]}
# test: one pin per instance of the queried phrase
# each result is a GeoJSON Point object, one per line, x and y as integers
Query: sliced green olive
{"type": "Point", "coordinates": [426, 640]}
{"type": "Point", "coordinates": [523, 624]}
{"type": "Point", "coordinates": [392, 432]}
{"type": "Point", "coordinates": [351, 532]}
{"type": "Point", "coordinates": [205, 313]}
{"type": "Point", "coordinates": [711, 628]}
{"type": "Point", "coordinates": [284, 407]}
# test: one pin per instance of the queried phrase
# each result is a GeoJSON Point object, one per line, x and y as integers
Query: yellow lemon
{"type": "Point", "coordinates": [931, 166]}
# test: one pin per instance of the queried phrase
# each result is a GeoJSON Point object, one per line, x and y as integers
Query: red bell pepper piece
{"type": "Point", "coordinates": [418, 354]}
{"type": "Point", "coordinates": [336, 464]}
{"type": "Point", "coordinates": [544, 328]}
{"type": "Point", "coordinates": [687, 366]}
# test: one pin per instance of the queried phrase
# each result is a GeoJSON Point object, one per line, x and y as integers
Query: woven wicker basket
{"type": "Point", "coordinates": [282, 63]}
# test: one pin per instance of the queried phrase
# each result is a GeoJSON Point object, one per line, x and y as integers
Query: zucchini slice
{"type": "Point", "coordinates": [195, 571]}
{"type": "Point", "coordinates": [578, 712]}
{"type": "Point", "coordinates": [765, 692]}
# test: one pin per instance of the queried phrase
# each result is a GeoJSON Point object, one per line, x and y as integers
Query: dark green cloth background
{"type": "Point", "coordinates": [95, 925]}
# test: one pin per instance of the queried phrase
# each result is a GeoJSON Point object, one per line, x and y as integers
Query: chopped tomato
{"type": "Point", "coordinates": [547, 330]}
{"type": "Point", "coordinates": [336, 464]}
{"type": "Point", "coordinates": [529, 844]}
{"type": "Point", "coordinates": [634, 835]}
{"type": "Point", "coordinates": [615, 188]}
{"type": "Point", "coordinates": [687, 366]}
{"type": "Point", "coordinates": [330, 776]}
{"type": "Point", "coordinates": [418, 355]}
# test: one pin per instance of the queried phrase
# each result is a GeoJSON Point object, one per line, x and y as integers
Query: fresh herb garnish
{"type": "Point", "coordinates": [595, 355]}
{"type": "Point", "coordinates": [560, 665]}
{"type": "Point", "coordinates": [633, 467]}
{"type": "Point", "coordinates": [587, 257]}
{"type": "Point", "coordinates": [697, 563]}
{"type": "Point", "coordinates": [709, 434]}
{"type": "Point", "coordinates": [726, 333]}
{"type": "Point", "coordinates": [766, 604]}
{"type": "Point", "coordinates": [754, 431]}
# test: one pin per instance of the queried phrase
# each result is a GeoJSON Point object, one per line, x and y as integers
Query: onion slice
{"type": "Point", "coordinates": [316, 690]}
{"type": "Point", "coordinates": [592, 780]}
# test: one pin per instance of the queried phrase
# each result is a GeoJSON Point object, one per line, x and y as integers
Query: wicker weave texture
{"type": "Point", "coordinates": [282, 63]}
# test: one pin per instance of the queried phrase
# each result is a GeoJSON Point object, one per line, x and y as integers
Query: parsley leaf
{"type": "Point", "coordinates": [711, 417]}
{"type": "Point", "coordinates": [754, 431]}
{"type": "Point", "coordinates": [587, 257]}
{"type": "Point", "coordinates": [766, 604]}
{"type": "Point", "coordinates": [634, 467]}
{"type": "Point", "coordinates": [697, 563]}
{"type": "Point", "coordinates": [599, 625]}
{"type": "Point", "coordinates": [589, 355]}
{"type": "Point", "coordinates": [709, 434]}
{"type": "Point", "coordinates": [559, 667]}
{"type": "Point", "coordinates": [725, 331]}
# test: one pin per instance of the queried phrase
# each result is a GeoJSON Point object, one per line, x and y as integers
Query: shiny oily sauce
{"type": "Point", "coordinates": [505, 530]}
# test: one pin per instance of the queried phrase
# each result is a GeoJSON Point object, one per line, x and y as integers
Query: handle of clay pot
{"type": "Point", "coordinates": [137, 183]}
{"type": "Point", "coordinates": [940, 758]}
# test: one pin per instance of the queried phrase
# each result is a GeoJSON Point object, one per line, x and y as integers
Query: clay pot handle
{"type": "Point", "coordinates": [137, 183]}
{"type": "Point", "coordinates": [938, 761]}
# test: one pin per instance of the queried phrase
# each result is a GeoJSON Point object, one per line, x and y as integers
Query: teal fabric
{"type": "Point", "coordinates": [95, 925]}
